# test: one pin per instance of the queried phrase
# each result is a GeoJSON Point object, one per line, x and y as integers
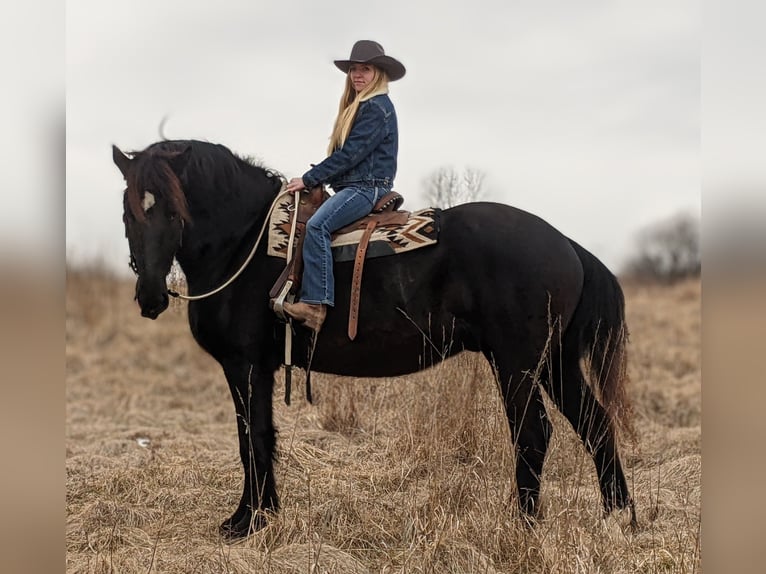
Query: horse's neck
{"type": "Point", "coordinates": [219, 238]}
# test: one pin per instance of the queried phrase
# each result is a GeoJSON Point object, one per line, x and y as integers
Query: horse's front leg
{"type": "Point", "coordinates": [252, 394]}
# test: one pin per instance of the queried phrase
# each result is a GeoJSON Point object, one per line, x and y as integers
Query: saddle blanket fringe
{"type": "Point", "coordinates": [421, 230]}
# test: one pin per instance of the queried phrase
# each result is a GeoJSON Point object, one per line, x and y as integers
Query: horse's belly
{"type": "Point", "coordinates": [373, 358]}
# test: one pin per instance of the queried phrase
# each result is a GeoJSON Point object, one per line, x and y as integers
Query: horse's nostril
{"type": "Point", "coordinates": [149, 313]}
{"type": "Point", "coordinates": [153, 302]}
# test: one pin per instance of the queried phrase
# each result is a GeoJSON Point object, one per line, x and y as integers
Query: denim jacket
{"type": "Point", "coordinates": [368, 156]}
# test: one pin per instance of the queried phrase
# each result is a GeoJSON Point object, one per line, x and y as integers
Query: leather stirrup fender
{"type": "Point", "coordinates": [356, 282]}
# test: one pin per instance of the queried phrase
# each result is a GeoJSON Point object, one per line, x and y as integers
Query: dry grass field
{"type": "Point", "coordinates": [379, 475]}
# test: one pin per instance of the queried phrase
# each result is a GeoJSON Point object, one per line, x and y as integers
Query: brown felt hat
{"type": "Point", "coordinates": [369, 52]}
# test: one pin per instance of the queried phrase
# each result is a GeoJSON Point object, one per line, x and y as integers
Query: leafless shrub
{"type": "Point", "coordinates": [667, 252]}
{"type": "Point", "coordinates": [447, 187]}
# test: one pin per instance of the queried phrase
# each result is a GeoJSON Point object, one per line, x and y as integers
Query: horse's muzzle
{"type": "Point", "coordinates": [151, 303]}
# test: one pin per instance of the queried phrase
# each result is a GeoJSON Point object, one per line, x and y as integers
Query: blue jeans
{"type": "Point", "coordinates": [345, 207]}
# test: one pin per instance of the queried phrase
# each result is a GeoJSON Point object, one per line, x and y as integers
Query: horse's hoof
{"type": "Point", "coordinates": [625, 517]}
{"type": "Point", "coordinates": [247, 525]}
{"type": "Point", "coordinates": [232, 532]}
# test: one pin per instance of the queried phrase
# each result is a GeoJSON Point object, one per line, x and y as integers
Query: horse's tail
{"type": "Point", "coordinates": [599, 331]}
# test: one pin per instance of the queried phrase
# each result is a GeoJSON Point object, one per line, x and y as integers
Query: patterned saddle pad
{"type": "Point", "coordinates": [421, 230]}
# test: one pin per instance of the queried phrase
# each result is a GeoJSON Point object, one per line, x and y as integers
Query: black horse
{"type": "Point", "coordinates": [499, 281]}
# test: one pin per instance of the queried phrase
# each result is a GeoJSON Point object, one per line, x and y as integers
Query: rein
{"type": "Point", "coordinates": [246, 262]}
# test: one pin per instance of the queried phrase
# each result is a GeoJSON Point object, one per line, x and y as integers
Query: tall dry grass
{"type": "Point", "coordinates": [398, 475]}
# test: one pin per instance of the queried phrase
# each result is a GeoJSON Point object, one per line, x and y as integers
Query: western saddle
{"type": "Point", "coordinates": [385, 212]}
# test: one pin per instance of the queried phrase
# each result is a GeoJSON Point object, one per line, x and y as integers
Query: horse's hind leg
{"type": "Point", "coordinates": [529, 425]}
{"type": "Point", "coordinates": [566, 385]}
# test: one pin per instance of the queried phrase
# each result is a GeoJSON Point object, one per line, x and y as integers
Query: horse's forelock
{"type": "Point", "coordinates": [152, 172]}
{"type": "Point", "coordinates": [175, 192]}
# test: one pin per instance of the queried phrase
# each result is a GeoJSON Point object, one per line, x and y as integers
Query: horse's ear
{"type": "Point", "coordinates": [121, 161]}
{"type": "Point", "coordinates": [178, 161]}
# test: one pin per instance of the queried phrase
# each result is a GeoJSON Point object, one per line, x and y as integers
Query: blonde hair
{"type": "Point", "coordinates": [349, 105]}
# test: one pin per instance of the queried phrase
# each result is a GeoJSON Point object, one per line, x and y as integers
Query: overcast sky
{"type": "Point", "coordinates": [585, 113]}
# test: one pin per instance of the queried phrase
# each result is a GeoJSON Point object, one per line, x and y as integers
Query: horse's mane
{"type": "Point", "coordinates": [212, 166]}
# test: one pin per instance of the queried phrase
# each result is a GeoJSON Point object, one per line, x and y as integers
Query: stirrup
{"type": "Point", "coordinates": [278, 302]}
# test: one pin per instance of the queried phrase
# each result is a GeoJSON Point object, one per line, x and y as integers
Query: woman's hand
{"type": "Point", "coordinates": [295, 184]}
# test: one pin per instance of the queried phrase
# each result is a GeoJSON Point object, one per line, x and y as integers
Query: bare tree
{"type": "Point", "coordinates": [667, 251]}
{"type": "Point", "coordinates": [446, 187]}
{"type": "Point", "coordinates": [473, 184]}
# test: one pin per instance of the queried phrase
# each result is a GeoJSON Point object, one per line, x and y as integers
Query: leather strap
{"type": "Point", "coordinates": [356, 282]}
{"type": "Point", "coordinates": [282, 279]}
{"type": "Point", "coordinates": [296, 270]}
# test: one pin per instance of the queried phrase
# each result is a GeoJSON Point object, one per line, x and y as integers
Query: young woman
{"type": "Point", "coordinates": [360, 167]}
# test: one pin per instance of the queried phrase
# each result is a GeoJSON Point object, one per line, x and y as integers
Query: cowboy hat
{"type": "Point", "coordinates": [369, 52]}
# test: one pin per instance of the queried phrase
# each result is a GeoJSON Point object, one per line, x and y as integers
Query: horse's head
{"type": "Point", "coordinates": [154, 215]}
